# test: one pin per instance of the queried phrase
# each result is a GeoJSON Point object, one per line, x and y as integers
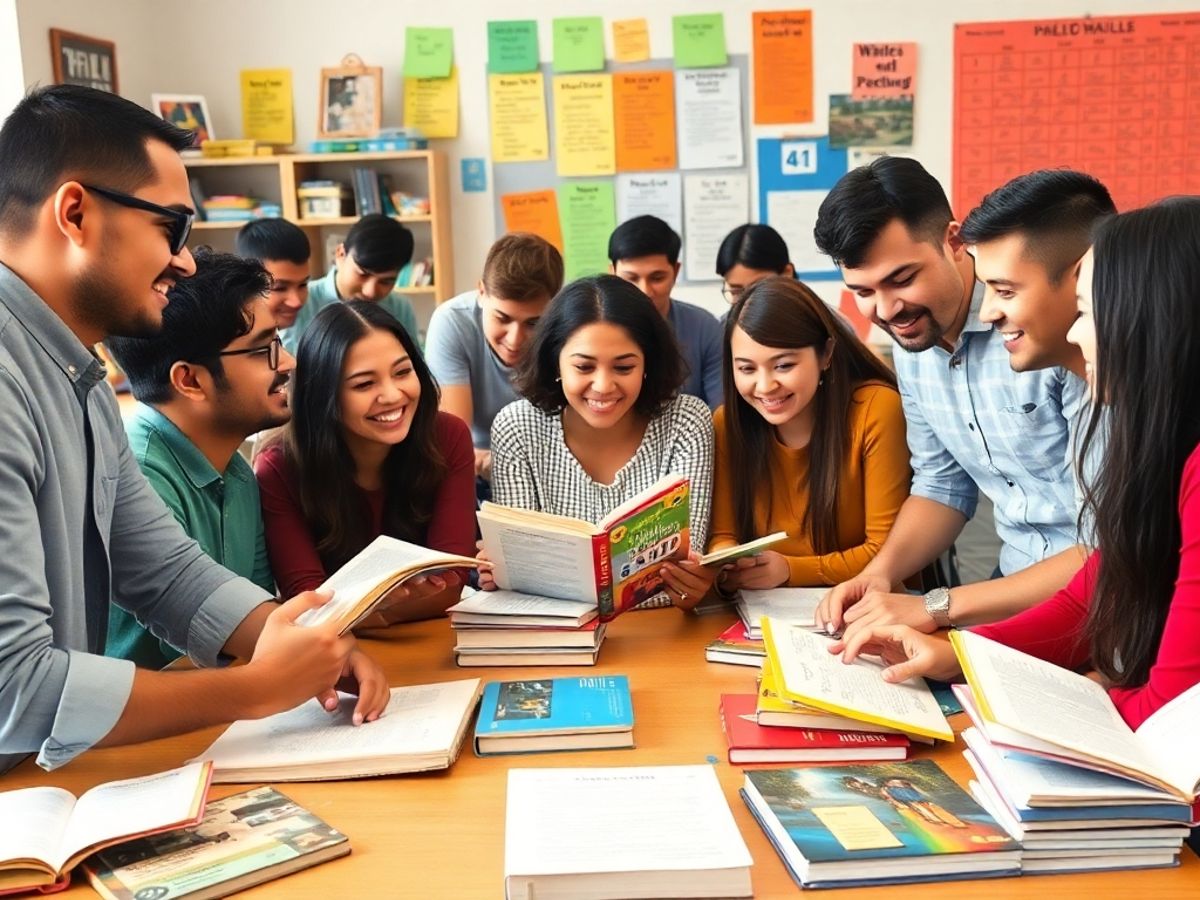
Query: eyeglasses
{"type": "Point", "coordinates": [271, 350]}
{"type": "Point", "coordinates": [732, 294]}
{"type": "Point", "coordinates": [181, 220]}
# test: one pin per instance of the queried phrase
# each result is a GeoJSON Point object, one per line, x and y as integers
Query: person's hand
{"type": "Point", "coordinates": [361, 676]}
{"type": "Point", "coordinates": [687, 580]}
{"type": "Point", "coordinates": [483, 464]}
{"type": "Point", "coordinates": [877, 609]}
{"type": "Point", "coordinates": [906, 652]}
{"type": "Point", "coordinates": [763, 570]}
{"type": "Point", "coordinates": [829, 612]}
{"type": "Point", "coordinates": [392, 608]}
{"type": "Point", "coordinates": [487, 581]}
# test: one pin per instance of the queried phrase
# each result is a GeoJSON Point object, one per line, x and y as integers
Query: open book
{"type": "Point", "coordinates": [360, 585]}
{"type": "Point", "coordinates": [1030, 705]}
{"type": "Point", "coordinates": [45, 832]}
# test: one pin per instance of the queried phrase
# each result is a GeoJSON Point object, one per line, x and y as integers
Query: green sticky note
{"type": "Point", "coordinates": [588, 213]}
{"type": "Point", "coordinates": [699, 41]}
{"type": "Point", "coordinates": [579, 44]}
{"type": "Point", "coordinates": [512, 47]}
{"type": "Point", "coordinates": [428, 52]}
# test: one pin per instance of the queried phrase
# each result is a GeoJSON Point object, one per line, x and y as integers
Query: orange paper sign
{"type": "Point", "coordinates": [884, 71]}
{"type": "Point", "coordinates": [783, 74]}
{"type": "Point", "coordinates": [535, 212]}
{"type": "Point", "coordinates": [644, 109]}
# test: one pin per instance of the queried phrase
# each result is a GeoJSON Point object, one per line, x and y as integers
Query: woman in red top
{"type": "Point", "coordinates": [1130, 616]}
{"type": "Point", "coordinates": [367, 453]}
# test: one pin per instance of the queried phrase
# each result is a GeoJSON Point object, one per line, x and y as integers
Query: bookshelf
{"type": "Point", "coordinates": [275, 178]}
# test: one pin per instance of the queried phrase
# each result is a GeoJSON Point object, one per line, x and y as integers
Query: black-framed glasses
{"type": "Point", "coordinates": [271, 350]}
{"type": "Point", "coordinates": [181, 220]}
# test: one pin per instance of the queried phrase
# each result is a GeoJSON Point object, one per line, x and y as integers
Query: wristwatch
{"type": "Point", "coordinates": [937, 605]}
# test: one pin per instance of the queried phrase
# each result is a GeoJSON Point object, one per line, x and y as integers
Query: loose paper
{"type": "Point", "coordinates": [651, 194]}
{"type": "Point", "coordinates": [579, 44]}
{"type": "Point", "coordinates": [512, 47]}
{"type": "Point", "coordinates": [699, 41]}
{"type": "Point", "coordinates": [267, 105]}
{"type": "Point", "coordinates": [535, 212]}
{"type": "Point", "coordinates": [428, 52]}
{"type": "Point", "coordinates": [518, 118]}
{"type": "Point", "coordinates": [584, 136]}
{"type": "Point", "coordinates": [588, 217]}
{"type": "Point", "coordinates": [884, 70]}
{"type": "Point", "coordinates": [713, 205]}
{"type": "Point", "coordinates": [431, 105]}
{"type": "Point", "coordinates": [644, 116]}
{"type": "Point", "coordinates": [708, 110]}
{"type": "Point", "coordinates": [631, 40]}
{"type": "Point", "coordinates": [783, 71]}
{"type": "Point", "coordinates": [793, 214]}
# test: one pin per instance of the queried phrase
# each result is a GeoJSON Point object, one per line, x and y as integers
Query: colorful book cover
{"type": "Point", "coordinates": [555, 706]}
{"type": "Point", "coordinates": [750, 742]}
{"type": "Point", "coordinates": [640, 542]}
{"type": "Point", "coordinates": [734, 640]}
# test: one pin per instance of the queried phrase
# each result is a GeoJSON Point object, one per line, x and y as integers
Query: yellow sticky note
{"type": "Point", "coordinates": [631, 40]}
{"type": "Point", "coordinates": [267, 105]}
{"type": "Point", "coordinates": [856, 827]}
{"type": "Point", "coordinates": [585, 140]}
{"type": "Point", "coordinates": [518, 117]}
{"type": "Point", "coordinates": [431, 104]}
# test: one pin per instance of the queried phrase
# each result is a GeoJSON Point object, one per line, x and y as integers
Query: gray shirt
{"type": "Point", "coordinates": [80, 525]}
{"type": "Point", "coordinates": [700, 337]}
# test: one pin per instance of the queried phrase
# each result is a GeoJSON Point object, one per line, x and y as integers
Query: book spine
{"type": "Point", "coordinates": [602, 567]}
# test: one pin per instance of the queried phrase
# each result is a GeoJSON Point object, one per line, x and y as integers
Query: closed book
{"type": "Point", "coordinates": [786, 604]}
{"type": "Point", "coordinates": [514, 608]}
{"type": "Point", "coordinates": [545, 656]}
{"type": "Point", "coordinates": [244, 840]}
{"type": "Point", "coordinates": [585, 636]}
{"type": "Point", "coordinates": [734, 648]}
{"type": "Point", "coordinates": [555, 714]}
{"type": "Point", "coordinates": [750, 742]}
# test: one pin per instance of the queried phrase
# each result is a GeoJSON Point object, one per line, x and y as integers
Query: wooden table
{"type": "Point", "coordinates": [441, 835]}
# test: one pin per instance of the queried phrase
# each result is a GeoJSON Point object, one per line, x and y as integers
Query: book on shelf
{"type": "Point", "coordinates": [882, 823]}
{"type": "Point", "coordinates": [50, 831]}
{"type": "Point", "coordinates": [243, 840]}
{"type": "Point", "coordinates": [361, 585]}
{"type": "Point", "coordinates": [487, 637]}
{"type": "Point", "coordinates": [422, 729]}
{"type": "Point", "coordinates": [513, 609]}
{"type": "Point", "coordinates": [588, 713]}
{"type": "Point", "coordinates": [806, 672]}
{"type": "Point", "coordinates": [749, 742]}
{"type": "Point", "coordinates": [796, 605]}
{"type": "Point", "coordinates": [641, 831]}
{"type": "Point", "coordinates": [541, 656]}
{"type": "Point", "coordinates": [734, 648]}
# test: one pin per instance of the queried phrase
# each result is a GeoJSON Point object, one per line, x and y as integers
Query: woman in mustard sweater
{"type": "Point", "coordinates": [810, 441]}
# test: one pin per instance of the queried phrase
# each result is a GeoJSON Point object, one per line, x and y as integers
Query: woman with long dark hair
{"type": "Point", "coordinates": [810, 441]}
{"type": "Point", "coordinates": [366, 453]}
{"type": "Point", "coordinates": [1132, 613]}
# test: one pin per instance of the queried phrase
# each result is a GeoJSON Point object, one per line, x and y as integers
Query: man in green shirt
{"type": "Point", "coordinates": [366, 266]}
{"type": "Point", "coordinates": [215, 374]}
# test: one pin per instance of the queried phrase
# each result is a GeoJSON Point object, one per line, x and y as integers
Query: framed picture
{"type": "Point", "coordinates": [188, 111]}
{"type": "Point", "coordinates": [79, 59]}
{"type": "Point", "coordinates": [351, 103]}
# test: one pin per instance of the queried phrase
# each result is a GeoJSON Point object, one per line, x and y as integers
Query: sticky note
{"type": "Point", "coordinates": [431, 105]}
{"type": "Point", "coordinates": [512, 46]}
{"type": "Point", "coordinates": [631, 40]}
{"type": "Point", "coordinates": [783, 70]}
{"type": "Point", "coordinates": [535, 212]}
{"type": "Point", "coordinates": [584, 137]}
{"type": "Point", "coordinates": [699, 41]}
{"type": "Point", "coordinates": [517, 105]}
{"type": "Point", "coordinates": [579, 44]}
{"type": "Point", "coordinates": [428, 52]}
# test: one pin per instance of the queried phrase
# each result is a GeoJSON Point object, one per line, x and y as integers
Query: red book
{"type": "Point", "coordinates": [750, 742]}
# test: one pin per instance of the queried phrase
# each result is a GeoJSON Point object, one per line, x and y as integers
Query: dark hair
{"type": "Point", "coordinates": [1053, 209]}
{"type": "Point", "coordinates": [758, 247]}
{"type": "Point", "coordinates": [332, 504]}
{"type": "Point", "coordinates": [643, 236]}
{"type": "Point", "coordinates": [602, 298]}
{"type": "Point", "coordinates": [379, 243]}
{"type": "Point", "coordinates": [785, 313]}
{"type": "Point", "coordinates": [865, 200]}
{"type": "Point", "coordinates": [67, 132]}
{"type": "Point", "coordinates": [271, 239]}
{"type": "Point", "coordinates": [204, 314]}
{"type": "Point", "coordinates": [521, 266]}
{"type": "Point", "coordinates": [1147, 266]}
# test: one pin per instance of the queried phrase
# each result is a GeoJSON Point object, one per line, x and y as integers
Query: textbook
{"type": "Point", "coordinates": [641, 831]}
{"type": "Point", "coordinates": [422, 729]}
{"type": "Point", "coordinates": [733, 647]}
{"type": "Point", "coordinates": [488, 637]}
{"type": "Point", "coordinates": [364, 582]}
{"type": "Point", "coordinates": [46, 831]}
{"type": "Point", "coordinates": [244, 840]}
{"type": "Point", "coordinates": [737, 551]}
{"type": "Point", "coordinates": [512, 609]}
{"type": "Point", "coordinates": [888, 823]}
{"type": "Point", "coordinates": [775, 712]}
{"type": "Point", "coordinates": [796, 605]}
{"type": "Point", "coordinates": [555, 714]}
{"type": "Point", "coordinates": [750, 742]}
{"type": "Point", "coordinates": [540, 656]}
{"type": "Point", "coordinates": [806, 672]}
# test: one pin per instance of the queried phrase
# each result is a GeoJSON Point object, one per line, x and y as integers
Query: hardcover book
{"type": "Point", "coordinates": [587, 636]}
{"type": "Point", "coordinates": [750, 742]}
{"type": "Point", "coordinates": [733, 647]}
{"type": "Point", "coordinates": [512, 609]}
{"type": "Point", "coordinates": [555, 714]}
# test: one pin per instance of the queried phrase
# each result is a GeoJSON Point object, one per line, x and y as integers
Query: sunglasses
{"type": "Point", "coordinates": [271, 350]}
{"type": "Point", "coordinates": [181, 219]}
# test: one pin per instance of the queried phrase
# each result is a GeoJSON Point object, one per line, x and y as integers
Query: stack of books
{"type": "Point", "coordinates": [590, 713]}
{"type": "Point", "coordinates": [796, 605]}
{"type": "Point", "coordinates": [238, 208]}
{"type": "Point", "coordinates": [509, 628]}
{"type": "Point", "coordinates": [735, 648]}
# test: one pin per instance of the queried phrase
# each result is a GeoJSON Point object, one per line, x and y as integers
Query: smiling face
{"type": "Point", "coordinates": [508, 324]}
{"type": "Point", "coordinates": [1083, 332]}
{"type": "Point", "coordinates": [251, 397]}
{"type": "Point", "coordinates": [779, 383]}
{"type": "Point", "coordinates": [602, 369]}
{"type": "Point", "coordinates": [289, 289]}
{"type": "Point", "coordinates": [380, 391]}
{"type": "Point", "coordinates": [654, 276]}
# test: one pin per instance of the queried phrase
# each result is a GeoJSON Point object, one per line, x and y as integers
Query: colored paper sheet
{"type": "Point", "coordinates": [644, 117]}
{"type": "Point", "coordinates": [517, 105]}
{"type": "Point", "coordinates": [708, 110]}
{"type": "Point", "coordinates": [579, 44]}
{"type": "Point", "coordinates": [631, 40]}
{"type": "Point", "coordinates": [783, 70]}
{"type": "Point", "coordinates": [877, 122]}
{"type": "Point", "coordinates": [849, 310]}
{"type": "Point", "coordinates": [588, 217]}
{"type": "Point", "coordinates": [474, 174]}
{"type": "Point", "coordinates": [535, 212]}
{"type": "Point", "coordinates": [584, 137]}
{"type": "Point", "coordinates": [651, 194]}
{"type": "Point", "coordinates": [512, 47]}
{"type": "Point", "coordinates": [431, 105]}
{"type": "Point", "coordinates": [428, 52]}
{"type": "Point", "coordinates": [267, 106]}
{"type": "Point", "coordinates": [712, 206]}
{"type": "Point", "coordinates": [699, 41]}
{"type": "Point", "coordinates": [884, 70]}
{"type": "Point", "coordinates": [794, 175]}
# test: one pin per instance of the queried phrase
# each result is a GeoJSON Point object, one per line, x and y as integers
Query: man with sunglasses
{"type": "Point", "coordinates": [214, 375]}
{"type": "Point", "coordinates": [94, 217]}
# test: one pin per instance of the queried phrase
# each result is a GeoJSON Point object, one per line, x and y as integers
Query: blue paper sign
{"type": "Point", "coordinates": [474, 175]}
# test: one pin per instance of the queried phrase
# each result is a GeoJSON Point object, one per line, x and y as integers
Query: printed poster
{"type": "Point", "coordinates": [518, 118]}
{"type": "Point", "coordinates": [584, 136]}
{"type": "Point", "coordinates": [783, 70]}
{"type": "Point", "coordinates": [708, 113]}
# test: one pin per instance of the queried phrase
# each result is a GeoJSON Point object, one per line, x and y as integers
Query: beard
{"type": "Point", "coordinates": [105, 307]}
{"type": "Point", "coordinates": [930, 337]}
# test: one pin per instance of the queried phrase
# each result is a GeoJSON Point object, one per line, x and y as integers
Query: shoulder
{"type": "Point", "coordinates": [688, 412]}
{"type": "Point", "coordinates": [695, 318]}
{"type": "Point", "coordinates": [451, 431]}
{"type": "Point", "coordinates": [273, 464]}
{"type": "Point", "coordinates": [1190, 479]}
{"type": "Point", "coordinates": [523, 416]}
{"type": "Point", "coordinates": [874, 399]}
{"type": "Point", "coordinates": [718, 417]}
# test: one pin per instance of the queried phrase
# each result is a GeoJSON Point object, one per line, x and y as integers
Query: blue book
{"type": "Point", "coordinates": [586, 713]}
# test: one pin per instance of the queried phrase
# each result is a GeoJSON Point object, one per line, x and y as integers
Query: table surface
{"type": "Point", "coordinates": [441, 835]}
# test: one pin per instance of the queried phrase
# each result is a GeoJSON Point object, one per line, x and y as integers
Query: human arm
{"type": "Point", "coordinates": [290, 545]}
{"type": "Point", "coordinates": [447, 350]}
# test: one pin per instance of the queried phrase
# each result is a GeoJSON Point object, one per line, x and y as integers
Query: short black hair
{"type": "Point", "coordinates": [865, 200]}
{"type": "Point", "coordinates": [68, 132]}
{"type": "Point", "coordinates": [643, 236]}
{"type": "Point", "coordinates": [379, 243]}
{"type": "Point", "coordinates": [602, 298]}
{"type": "Point", "coordinates": [267, 239]}
{"type": "Point", "coordinates": [205, 314]}
{"type": "Point", "coordinates": [1054, 209]}
{"type": "Point", "coordinates": [758, 247]}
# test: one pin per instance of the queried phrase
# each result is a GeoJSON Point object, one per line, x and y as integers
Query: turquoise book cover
{"type": "Point", "coordinates": [555, 706]}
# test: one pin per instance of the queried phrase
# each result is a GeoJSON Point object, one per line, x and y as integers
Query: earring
{"type": "Point", "coordinates": [558, 378]}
